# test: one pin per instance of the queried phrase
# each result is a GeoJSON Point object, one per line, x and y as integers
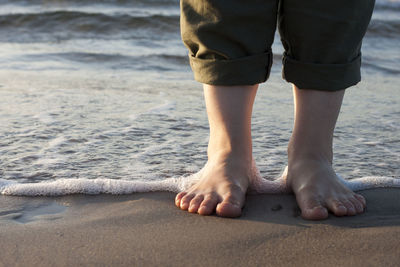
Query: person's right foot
{"type": "Point", "coordinates": [318, 189]}
{"type": "Point", "coordinates": [310, 155]}
{"type": "Point", "coordinates": [222, 188]}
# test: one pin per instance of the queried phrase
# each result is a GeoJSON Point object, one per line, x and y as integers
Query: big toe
{"type": "Point", "coordinates": [312, 210]}
{"type": "Point", "coordinates": [228, 209]}
{"type": "Point", "coordinates": [231, 206]}
{"type": "Point", "coordinates": [314, 213]}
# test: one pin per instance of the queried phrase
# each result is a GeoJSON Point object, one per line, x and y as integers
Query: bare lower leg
{"type": "Point", "coordinates": [310, 172]}
{"type": "Point", "coordinates": [225, 179]}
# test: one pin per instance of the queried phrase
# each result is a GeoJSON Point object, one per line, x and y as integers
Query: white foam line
{"type": "Point", "coordinates": [370, 182]}
{"type": "Point", "coordinates": [88, 186]}
{"type": "Point", "coordinates": [110, 186]}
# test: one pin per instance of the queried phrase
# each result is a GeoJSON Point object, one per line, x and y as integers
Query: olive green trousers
{"type": "Point", "coordinates": [229, 41]}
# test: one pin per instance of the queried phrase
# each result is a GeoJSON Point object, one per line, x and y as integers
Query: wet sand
{"type": "Point", "coordinates": [146, 229]}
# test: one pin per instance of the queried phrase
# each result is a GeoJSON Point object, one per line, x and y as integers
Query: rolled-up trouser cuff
{"type": "Point", "coordinates": [242, 71]}
{"type": "Point", "coordinates": [324, 77]}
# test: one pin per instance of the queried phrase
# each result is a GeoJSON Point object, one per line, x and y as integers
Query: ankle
{"type": "Point", "coordinates": [231, 157]}
{"type": "Point", "coordinates": [302, 162]}
{"type": "Point", "coordinates": [230, 148]}
{"type": "Point", "coordinates": [298, 154]}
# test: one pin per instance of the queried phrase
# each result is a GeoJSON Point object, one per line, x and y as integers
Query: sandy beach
{"type": "Point", "coordinates": [146, 229]}
{"type": "Point", "coordinates": [98, 98]}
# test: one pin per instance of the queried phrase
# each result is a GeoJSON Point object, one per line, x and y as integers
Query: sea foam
{"type": "Point", "coordinates": [258, 185]}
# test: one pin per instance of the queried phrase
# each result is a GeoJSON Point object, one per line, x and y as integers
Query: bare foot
{"type": "Point", "coordinates": [222, 188]}
{"type": "Point", "coordinates": [318, 189]}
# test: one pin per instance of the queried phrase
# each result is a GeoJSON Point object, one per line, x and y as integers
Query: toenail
{"type": "Point", "coordinates": [202, 208]}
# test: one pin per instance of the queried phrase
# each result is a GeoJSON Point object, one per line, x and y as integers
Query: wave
{"type": "Point", "coordinates": [86, 21]}
{"type": "Point", "coordinates": [102, 57]}
{"type": "Point", "coordinates": [85, 2]}
{"type": "Point", "coordinates": [160, 62]}
{"type": "Point", "coordinates": [118, 10]}
{"type": "Point", "coordinates": [384, 28]}
{"type": "Point", "coordinates": [379, 5]}
{"type": "Point", "coordinates": [380, 68]}
{"type": "Point", "coordinates": [66, 23]}
{"type": "Point", "coordinates": [258, 185]}
{"type": "Point", "coordinates": [391, 5]}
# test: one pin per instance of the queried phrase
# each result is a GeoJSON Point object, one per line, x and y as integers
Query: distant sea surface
{"type": "Point", "coordinates": [103, 89]}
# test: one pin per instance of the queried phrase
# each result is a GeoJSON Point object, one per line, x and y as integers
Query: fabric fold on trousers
{"type": "Point", "coordinates": [243, 71]}
{"type": "Point", "coordinates": [330, 77]}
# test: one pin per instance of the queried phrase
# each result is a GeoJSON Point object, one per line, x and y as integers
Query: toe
{"type": "Point", "coordinates": [186, 200]}
{"type": "Point", "coordinates": [226, 209]}
{"type": "Point", "coordinates": [361, 199]}
{"type": "Point", "coordinates": [208, 205]}
{"type": "Point", "coordinates": [351, 210]}
{"type": "Point", "coordinates": [195, 203]}
{"type": "Point", "coordinates": [311, 209]}
{"type": "Point", "coordinates": [357, 205]}
{"type": "Point", "coordinates": [336, 207]}
{"type": "Point", "coordinates": [230, 207]}
{"type": "Point", "coordinates": [314, 213]}
{"type": "Point", "coordinates": [178, 198]}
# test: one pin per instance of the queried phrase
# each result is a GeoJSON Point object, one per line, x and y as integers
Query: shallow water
{"type": "Point", "coordinates": [104, 90]}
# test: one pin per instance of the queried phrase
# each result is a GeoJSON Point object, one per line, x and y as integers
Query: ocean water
{"type": "Point", "coordinates": [98, 96]}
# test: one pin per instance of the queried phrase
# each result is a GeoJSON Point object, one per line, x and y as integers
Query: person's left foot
{"type": "Point", "coordinates": [318, 189]}
{"type": "Point", "coordinates": [221, 189]}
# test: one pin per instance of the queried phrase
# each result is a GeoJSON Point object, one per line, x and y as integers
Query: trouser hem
{"type": "Point", "coordinates": [242, 71]}
{"type": "Point", "coordinates": [324, 77]}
